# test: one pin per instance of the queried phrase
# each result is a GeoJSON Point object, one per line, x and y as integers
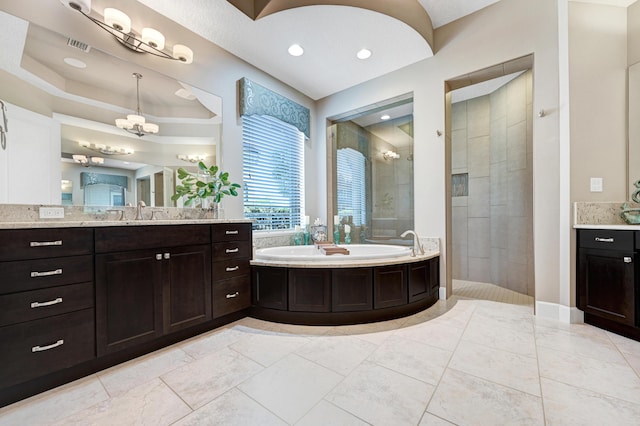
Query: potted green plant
{"type": "Point", "coordinates": [207, 187]}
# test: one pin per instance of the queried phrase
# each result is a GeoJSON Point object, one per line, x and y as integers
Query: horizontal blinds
{"type": "Point", "coordinates": [350, 176]}
{"type": "Point", "coordinates": [273, 161]}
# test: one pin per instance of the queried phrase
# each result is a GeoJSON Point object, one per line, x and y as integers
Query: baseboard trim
{"type": "Point", "coordinates": [557, 312]}
{"type": "Point", "coordinates": [443, 293]}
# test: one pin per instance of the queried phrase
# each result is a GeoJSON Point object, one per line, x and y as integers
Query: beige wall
{"type": "Point", "coordinates": [506, 30]}
{"type": "Point", "coordinates": [598, 90]}
{"type": "Point", "coordinates": [633, 28]}
{"type": "Point", "coordinates": [598, 104]}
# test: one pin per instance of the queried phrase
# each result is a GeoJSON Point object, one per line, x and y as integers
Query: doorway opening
{"type": "Point", "coordinates": [491, 181]}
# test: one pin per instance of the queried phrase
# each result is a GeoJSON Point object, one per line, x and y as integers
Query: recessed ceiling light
{"type": "Point", "coordinates": [296, 50]}
{"type": "Point", "coordinates": [77, 63]}
{"type": "Point", "coordinates": [363, 54]}
{"type": "Point", "coordinates": [385, 117]}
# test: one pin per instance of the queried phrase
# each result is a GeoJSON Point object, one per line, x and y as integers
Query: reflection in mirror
{"type": "Point", "coordinates": [80, 91]}
{"type": "Point", "coordinates": [373, 172]}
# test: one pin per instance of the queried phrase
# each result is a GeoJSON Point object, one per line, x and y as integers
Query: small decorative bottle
{"type": "Point", "coordinates": [297, 237]}
{"type": "Point", "coordinates": [347, 234]}
{"type": "Point", "coordinates": [307, 235]}
{"type": "Point", "coordinates": [336, 229]}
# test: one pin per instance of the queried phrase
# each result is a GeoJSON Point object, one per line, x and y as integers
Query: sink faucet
{"type": "Point", "coordinates": [417, 245]}
{"type": "Point", "coordinates": [141, 205]}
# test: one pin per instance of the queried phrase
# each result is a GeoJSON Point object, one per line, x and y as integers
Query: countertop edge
{"type": "Point", "coordinates": [619, 227]}
{"type": "Point", "coordinates": [356, 263]}
{"type": "Point", "coordinates": [114, 223]}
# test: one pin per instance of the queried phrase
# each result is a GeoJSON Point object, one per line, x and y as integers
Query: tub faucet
{"type": "Point", "coordinates": [141, 205]}
{"type": "Point", "coordinates": [417, 245]}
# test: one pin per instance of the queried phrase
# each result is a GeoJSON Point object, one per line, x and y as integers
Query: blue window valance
{"type": "Point", "coordinates": [87, 178]}
{"type": "Point", "coordinates": [256, 99]}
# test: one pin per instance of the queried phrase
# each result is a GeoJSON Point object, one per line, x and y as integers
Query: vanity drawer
{"type": "Point", "coordinates": [606, 239]}
{"type": "Point", "coordinates": [42, 273]}
{"type": "Point", "coordinates": [125, 238]}
{"type": "Point", "coordinates": [231, 296]}
{"type": "Point", "coordinates": [231, 232]}
{"type": "Point", "coordinates": [20, 244]}
{"type": "Point", "coordinates": [46, 345]}
{"type": "Point", "coordinates": [37, 304]}
{"type": "Point", "coordinates": [230, 268]}
{"type": "Point", "coordinates": [231, 250]}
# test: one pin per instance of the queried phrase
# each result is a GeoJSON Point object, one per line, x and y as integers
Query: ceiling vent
{"type": "Point", "coordinates": [77, 44]}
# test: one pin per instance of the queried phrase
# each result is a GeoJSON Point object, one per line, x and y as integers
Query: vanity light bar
{"type": "Point", "coordinates": [106, 149]}
{"type": "Point", "coordinates": [118, 24]}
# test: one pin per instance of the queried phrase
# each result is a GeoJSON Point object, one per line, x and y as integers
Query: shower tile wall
{"type": "Point", "coordinates": [492, 226]}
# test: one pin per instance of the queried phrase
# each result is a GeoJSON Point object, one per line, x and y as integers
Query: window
{"type": "Point", "coordinates": [273, 173]}
{"type": "Point", "coordinates": [351, 182]}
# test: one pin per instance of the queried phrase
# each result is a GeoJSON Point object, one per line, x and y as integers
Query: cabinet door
{"type": "Point", "coordinates": [128, 299]}
{"type": "Point", "coordinates": [270, 287]}
{"type": "Point", "coordinates": [419, 280]}
{"type": "Point", "coordinates": [351, 290]}
{"type": "Point", "coordinates": [310, 290]}
{"type": "Point", "coordinates": [389, 286]}
{"type": "Point", "coordinates": [186, 286]}
{"type": "Point", "coordinates": [606, 284]}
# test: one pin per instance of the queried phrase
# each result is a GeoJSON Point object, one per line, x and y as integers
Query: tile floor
{"type": "Point", "coordinates": [463, 361]}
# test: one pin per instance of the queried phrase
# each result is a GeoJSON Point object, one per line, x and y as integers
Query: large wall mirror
{"type": "Point", "coordinates": [83, 90]}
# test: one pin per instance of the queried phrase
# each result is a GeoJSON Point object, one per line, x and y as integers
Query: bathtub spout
{"type": "Point", "coordinates": [418, 248]}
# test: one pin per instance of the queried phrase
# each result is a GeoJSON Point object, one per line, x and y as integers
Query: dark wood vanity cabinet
{"type": "Point", "coordinates": [161, 287]}
{"type": "Point", "coordinates": [607, 272]}
{"type": "Point", "coordinates": [232, 251]}
{"type": "Point", "coordinates": [46, 302]}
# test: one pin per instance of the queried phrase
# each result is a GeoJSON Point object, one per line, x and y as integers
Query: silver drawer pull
{"type": "Point", "coordinates": [627, 259]}
{"type": "Point", "coordinates": [45, 243]}
{"type": "Point", "coordinates": [49, 303]}
{"type": "Point", "coordinates": [235, 250]}
{"type": "Point", "coordinates": [46, 274]}
{"type": "Point", "coordinates": [234, 232]}
{"type": "Point", "coordinates": [231, 296]}
{"type": "Point", "coordinates": [158, 256]}
{"type": "Point", "coordinates": [604, 240]}
{"type": "Point", "coordinates": [46, 348]}
{"type": "Point", "coordinates": [235, 268]}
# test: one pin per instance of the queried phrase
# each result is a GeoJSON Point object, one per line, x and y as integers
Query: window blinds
{"type": "Point", "coordinates": [273, 172]}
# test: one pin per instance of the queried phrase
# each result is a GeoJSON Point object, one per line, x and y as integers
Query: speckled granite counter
{"type": "Point", "coordinates": [25, 216]}
{"type": "Point", "coordinates": [600, 215]}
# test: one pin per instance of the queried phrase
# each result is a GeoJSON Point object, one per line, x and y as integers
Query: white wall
{"type": "Point", "coordinates": [35, 139]}
{"type": "Point", "coordinates": [506, 30]}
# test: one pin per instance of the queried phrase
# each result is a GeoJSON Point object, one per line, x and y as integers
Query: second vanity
{"type": "Point", "coordinates": [80, 297]}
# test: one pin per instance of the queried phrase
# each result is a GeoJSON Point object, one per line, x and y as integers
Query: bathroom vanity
{"type": "Point", "coordinates": [608, 277]}
{"type": "Point", "coordinates": [80, 297]}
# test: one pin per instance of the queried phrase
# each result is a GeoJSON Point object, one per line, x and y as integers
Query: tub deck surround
{"type": "Point", "coordinates": [341, 261]}
{"type": "Point", "coordinates": [300, 285]}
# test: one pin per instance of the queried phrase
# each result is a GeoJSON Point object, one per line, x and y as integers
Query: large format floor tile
{"type": "Point", "coordinates": [291, 387]}
{"type": "Point", "coordinates": [462, 362]}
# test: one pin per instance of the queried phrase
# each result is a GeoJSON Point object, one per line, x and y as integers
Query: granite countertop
{"type": "Point", "coordinates": [616, 226]}
{"type": "Point", "coordinates": [52, 223]}
{"type": "Point", "coordinates": [329, 262]}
